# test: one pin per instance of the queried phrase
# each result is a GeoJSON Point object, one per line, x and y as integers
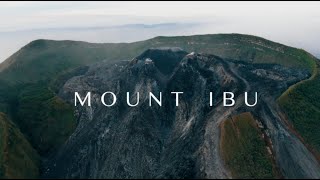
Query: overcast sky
{"type": "Point", "coordinates": [291, 23]}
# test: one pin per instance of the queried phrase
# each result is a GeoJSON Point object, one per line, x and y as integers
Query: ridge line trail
{"type": "Point", "coordinates": [313, 76]}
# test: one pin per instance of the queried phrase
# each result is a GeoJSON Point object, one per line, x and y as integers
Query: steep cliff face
{"type": "Point", "coordinates": [168, 141]}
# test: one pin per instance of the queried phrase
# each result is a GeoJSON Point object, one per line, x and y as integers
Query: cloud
{"type": "Point", "coordinates": [296, 23]}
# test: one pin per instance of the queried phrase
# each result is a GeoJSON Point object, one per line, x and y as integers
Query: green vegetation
{"type": "Point", "coordinates": [62, 78]}
{"type": "Point", "coordinates": [30, 78]}
{"type": "Point", "coordinates": [7, 95]}
{"type": "Point", "coordinates": [302, 106]}
{"type": "Point", "coordinates": [239, 47]}
{"type": "Point", "coordinates": [243, 149]}
{"type": "Point", "coordinates": [46, 119]}
{"type": "Point", "coordinates": [17, 157]}
{"type": "Point", "coordinates": [45, 59]}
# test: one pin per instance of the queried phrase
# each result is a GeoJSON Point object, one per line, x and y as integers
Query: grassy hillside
{"type": "Point", "coordinates": [244, 150]}
{"type": "Point", "coordinates": [17, 157]}
{"type": "Point", "coordinates": [240, 47]}
{"type": "Point", "coordinates": [302, 106]}
{"type": "Point", "coordinates": [44, 59]}
{"type": "Point", "coordinates": [43, 117]}
{"type": "Point", "coordinates": [6, 95]}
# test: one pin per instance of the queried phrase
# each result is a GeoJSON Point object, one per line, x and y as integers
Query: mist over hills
{"type": "Point", "coordinates": [13, 40]}
{"type": "Point", "coordinates": [37, 81]}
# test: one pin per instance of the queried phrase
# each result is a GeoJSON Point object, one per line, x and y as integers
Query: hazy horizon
{"type": "Point", "coordinates": [294, 24]}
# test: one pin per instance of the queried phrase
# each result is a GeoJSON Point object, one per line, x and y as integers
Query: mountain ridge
{"type": "Point", "coordinates": [46, 65]}
{"type": "Point", "coordinates": [154, 41]}
{"type": "Point", "coordinates": [175, 139]}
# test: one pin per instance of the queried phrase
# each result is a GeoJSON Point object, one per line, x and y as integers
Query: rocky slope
{"type": "Point", "coordinates": [31, 77]}
{"type": "Point", "coordinates": [169, 141]}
